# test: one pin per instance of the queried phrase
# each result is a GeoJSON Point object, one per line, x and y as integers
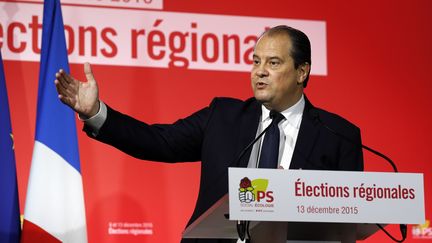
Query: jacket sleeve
{"type": "Point", "coordinates": [177, 142]}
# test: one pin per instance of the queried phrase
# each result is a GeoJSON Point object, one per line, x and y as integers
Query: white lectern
{"type": "Point", "coordinates": [312, 206]}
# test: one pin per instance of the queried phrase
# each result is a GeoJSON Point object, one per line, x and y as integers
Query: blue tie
{"type": "Point", "coordinates": [270, 148]}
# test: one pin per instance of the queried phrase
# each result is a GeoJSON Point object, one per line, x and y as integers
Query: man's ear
{"type": "Point", "coordinates": [303, 71]}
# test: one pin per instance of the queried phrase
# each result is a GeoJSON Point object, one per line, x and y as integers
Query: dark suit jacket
{"type": "Point", "coordinates": [217, 134]}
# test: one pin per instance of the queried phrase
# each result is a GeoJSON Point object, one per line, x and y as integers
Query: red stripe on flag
{"type": "Point", "coordinates": [33, 233]}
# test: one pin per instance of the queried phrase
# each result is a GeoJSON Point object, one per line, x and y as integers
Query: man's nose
{"type": "Point", "coordinates": [262, 71]}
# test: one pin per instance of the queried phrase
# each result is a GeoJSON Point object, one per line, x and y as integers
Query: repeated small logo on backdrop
{"type": "Point", "coordinates": [422, 231]}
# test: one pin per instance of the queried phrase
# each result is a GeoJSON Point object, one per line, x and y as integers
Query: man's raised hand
{"type": "Point", "coordinates": [82, 97]}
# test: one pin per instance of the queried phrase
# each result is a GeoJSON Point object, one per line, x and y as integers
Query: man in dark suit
{"type": "Point", "coordinates": [311, 138]}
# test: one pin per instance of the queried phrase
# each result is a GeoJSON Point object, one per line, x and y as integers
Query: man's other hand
{"type": "Point", "coordinates": [82, 97]}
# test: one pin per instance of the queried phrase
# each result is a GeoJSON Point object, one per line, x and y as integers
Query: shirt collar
{"type": "Point", "coordinates": [292, 115]}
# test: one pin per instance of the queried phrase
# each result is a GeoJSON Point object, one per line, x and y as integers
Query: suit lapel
{"type": "Point", "coordinates": [248, 128]}
{"type": "Point", "coordinates": [306, 138]}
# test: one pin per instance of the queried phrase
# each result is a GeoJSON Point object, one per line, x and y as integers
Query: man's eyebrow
{"type": "Point", "coordinates": [271, 57]}
{"type": "Point", "coordinates": [275, 57]}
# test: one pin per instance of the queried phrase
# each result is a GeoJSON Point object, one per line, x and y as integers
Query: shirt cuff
{"type": "Point", "coordinates": [95, 122]}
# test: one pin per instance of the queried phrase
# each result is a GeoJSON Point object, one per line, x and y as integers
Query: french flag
{"type": "Point", "coordinates": [54, 209]}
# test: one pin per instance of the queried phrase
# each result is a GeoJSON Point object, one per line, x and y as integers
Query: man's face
{"type": "Point", "coordinates": [275, 81]}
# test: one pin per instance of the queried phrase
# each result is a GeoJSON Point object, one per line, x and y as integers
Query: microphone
{"type": "Point", "coordinates": [243, 226]}
{"type": "Point", "coordinates": [314, 114]}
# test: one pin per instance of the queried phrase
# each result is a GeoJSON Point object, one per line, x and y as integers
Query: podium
{"type": "Point", "coordinates": [311, 206]}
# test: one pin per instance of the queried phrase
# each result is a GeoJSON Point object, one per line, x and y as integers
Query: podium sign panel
{"type": "Point", "coordinates": [325, 196]}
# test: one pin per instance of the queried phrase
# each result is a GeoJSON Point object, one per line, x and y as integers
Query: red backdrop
{"type": "Point", "coordinates": [378, 58]}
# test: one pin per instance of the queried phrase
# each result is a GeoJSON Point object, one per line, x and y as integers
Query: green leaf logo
{"type": "Point", "coordinates": [259, 185]}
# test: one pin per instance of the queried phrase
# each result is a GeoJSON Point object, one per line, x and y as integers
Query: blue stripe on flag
{"type": "Point", "coordinates": [55, 122]}
{"type": "Point", "coordinates": [10, 226]}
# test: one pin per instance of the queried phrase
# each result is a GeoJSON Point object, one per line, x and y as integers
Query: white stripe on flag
{"type": "Point", "coordinates": [55, 200]}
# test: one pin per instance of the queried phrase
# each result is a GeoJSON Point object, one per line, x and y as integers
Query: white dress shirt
{"type": "Point", "coordinates": [289, 131]}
